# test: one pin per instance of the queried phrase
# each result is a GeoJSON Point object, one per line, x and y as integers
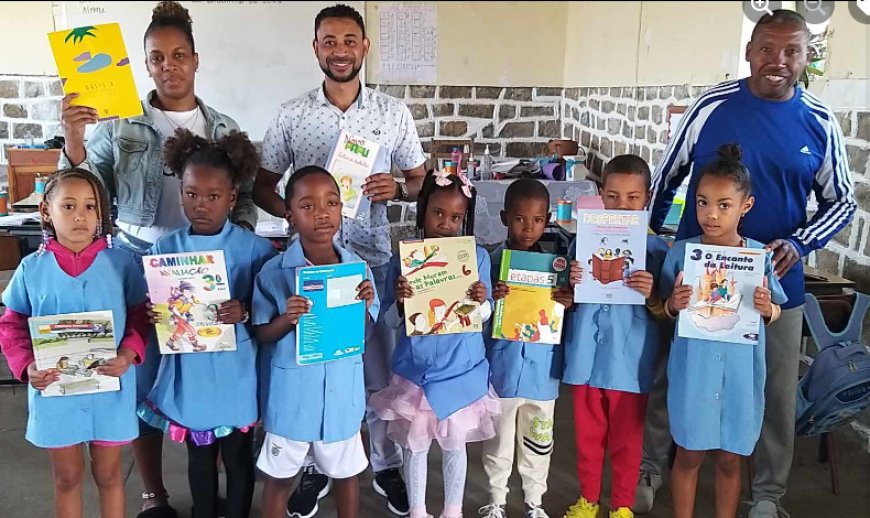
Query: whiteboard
{"type": "Point", "coordinates": [253, 56]}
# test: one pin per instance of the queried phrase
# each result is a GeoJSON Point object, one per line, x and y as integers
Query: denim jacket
{"type": "Point", "coordinates": [127, 156]}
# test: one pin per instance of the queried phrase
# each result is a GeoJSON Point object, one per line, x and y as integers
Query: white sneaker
{"type": "Point", "coordinates": [534, 511]}
{"type": "Point", "coordinates": [645, 494]}
{"type": "Point", "coordinates": [764, 509]}
{"type": "Point", "coordinates": [492, 511]}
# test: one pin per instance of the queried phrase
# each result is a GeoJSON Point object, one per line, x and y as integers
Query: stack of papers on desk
{"type": "Point", "coordinates": [14, 220]}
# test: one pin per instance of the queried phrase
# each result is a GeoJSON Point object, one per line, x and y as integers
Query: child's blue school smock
{"type": "Point", "coordinates": [205, 391]}
{"type": "Point", "coordinates": [520, 369]}
{"type": "Point", "coordinates": [614, 346]}
{"type": "Point", "coordinates": [715, 389]}
{"type": "Point", "coordinates": [451, 369]}
{"type": "Point", "coordinates": [39, 288]}
{"type": "Point", "coordinates": [306, 403]}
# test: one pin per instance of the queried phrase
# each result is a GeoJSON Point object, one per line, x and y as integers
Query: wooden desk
{"type": "Point", "coordinates": [820, 283]}
{"type": "Point", "coordinates": [24, 165]}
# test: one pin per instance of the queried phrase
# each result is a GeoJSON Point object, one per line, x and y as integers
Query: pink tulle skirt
{"type": "Point", "coordinates": [413, 425]}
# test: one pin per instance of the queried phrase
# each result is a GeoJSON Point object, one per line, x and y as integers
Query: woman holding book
{"type": "Point", "coordinates": [126, 156]}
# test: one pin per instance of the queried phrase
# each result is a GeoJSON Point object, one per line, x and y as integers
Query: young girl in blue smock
{"type": "Point", "coordinates": [440, 389]}
{"type": "Point", "coordinates": [208, 400]}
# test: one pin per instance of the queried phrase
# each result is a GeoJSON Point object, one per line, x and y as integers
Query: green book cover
{"type": "Point", "coordinates": [529, 313]}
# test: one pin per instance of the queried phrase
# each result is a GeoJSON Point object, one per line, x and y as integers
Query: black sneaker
{"type": "Point", "coordinates": [389, 484]}
{"type": "Point", "coordinates": [312, 487]}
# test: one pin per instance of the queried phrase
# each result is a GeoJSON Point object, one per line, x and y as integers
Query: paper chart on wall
{"type": "Point", "coordinates": [408, 42]}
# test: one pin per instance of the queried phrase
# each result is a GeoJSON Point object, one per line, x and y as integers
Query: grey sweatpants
{"type": "Point", "coordinates": [657, 433]}
{"type": "Point", "coordinates": [775, 448]}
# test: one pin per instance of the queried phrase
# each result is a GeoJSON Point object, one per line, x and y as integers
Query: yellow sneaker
{"type": "Point", "coordinates": [622, 512]}
{"type": "Point", "coordinates": [582, 509]}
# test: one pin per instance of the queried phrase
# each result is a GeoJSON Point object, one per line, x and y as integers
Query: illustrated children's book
{"type": "Point", "coordinates": [351, 162]}
{"type": "Point", "coordinates": [334, 327]}
{"type": "Point", "coordinates": [723, 281]}
{"type": "Point", "coordinates": [440, 271]}
{"type": "Point", "coordinates": [92, 61]}
{"type": "Point", "coordinates": [529, 313]}
{"type": "Point", "coordinates": [187, 289]}
{"type": "Point", "coordinates": [611, 245]}
{"type": "Point", "coordinates": [75, 344]}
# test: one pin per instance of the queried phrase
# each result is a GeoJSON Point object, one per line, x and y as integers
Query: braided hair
{"type": "Point", "coordinates": [171, 14]}
{"type": "Point", "coordinates": [104, 219]}
{"type": "Point", "coordinates": [430, 187]}
{"type": "Point", "coordinates": [728, 165]}
{"type": "Point", "coordinates": [233, 153]}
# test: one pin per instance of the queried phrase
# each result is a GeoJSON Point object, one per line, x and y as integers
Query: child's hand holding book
{"type": "Point", "coordinates": [41, 379]}
{"type": "Point", "coordinates": [500, 290]}
{"type": "Point", "coordinates": [679, 299]}
{"type": "Point", "coordinates": [295, 308]}
{"type": "Point", "coordinates": [366, 292]}
{"type": "Point", "coordinates": [477, 292]}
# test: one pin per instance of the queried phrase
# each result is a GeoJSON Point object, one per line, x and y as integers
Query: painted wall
{"type": "Point", "coordinates": [23, 30]}
{"type": "Point", "coordinates": [491, 43]}
{"type": "Point", "coordinates": [651, 43]}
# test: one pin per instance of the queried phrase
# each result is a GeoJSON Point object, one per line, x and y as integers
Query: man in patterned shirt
{"type": "Point", "coordinates": [304, 133]}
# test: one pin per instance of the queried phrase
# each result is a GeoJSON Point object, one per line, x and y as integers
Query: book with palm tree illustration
{"type": "Point", "coordinates": [92, 61]}
{"type": "Point", "coordinates": [440, 271]}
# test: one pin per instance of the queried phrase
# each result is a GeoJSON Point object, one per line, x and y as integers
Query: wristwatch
{"type": "Point", "coordinates": [401, 191]}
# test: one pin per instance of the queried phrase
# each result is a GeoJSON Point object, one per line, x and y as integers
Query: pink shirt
{"type": "Point", "coordinates": [14, 332]}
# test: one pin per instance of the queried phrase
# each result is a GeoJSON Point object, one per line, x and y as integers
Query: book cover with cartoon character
{"type": "Point", "coordinates": [723, 282]}
{"type": "Point", "coordinates": [93, 62]}
{"type": "Point", "coordinates": [75, 344]}
{"type": "Point", "coordinates": [186, 289]}
{"type": "Point", "coordinates": [334, 327]}
{"type": "Point", "coordinates": [611, 245]}
{"type": "Point", "coordinates": [440, 271]}
{"type": "Point", "coordinates": [529, 313]}
{"type": "Point", "coordinates": [351, 162]}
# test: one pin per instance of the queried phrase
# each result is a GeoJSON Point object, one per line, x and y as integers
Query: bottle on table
{"type": "Point", "coordinates": [486, 165]}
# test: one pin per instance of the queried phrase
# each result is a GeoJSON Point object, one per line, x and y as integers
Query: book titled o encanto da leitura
{"type": "Point", "coordinates": [723, 281]}
{"type": "Point", "coordinates": [440, 271]}
{"type": "Point", "coordinates": [529, 313]}
{"type": "Point", "coordinates": [92, 61]}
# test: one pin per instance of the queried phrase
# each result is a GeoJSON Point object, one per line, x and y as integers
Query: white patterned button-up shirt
{"type": "Point", "coordinates": [307, 128]}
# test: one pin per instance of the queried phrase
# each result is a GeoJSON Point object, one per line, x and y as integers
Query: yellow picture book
{"type": "Point", "coordinates": [440, 271]}
{"type": "Point", "coordinates": [92, 61]}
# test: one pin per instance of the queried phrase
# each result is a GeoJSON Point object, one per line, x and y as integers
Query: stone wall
{"type": "Point", "coordinates": [617, 120]}
{"type": "Point", "coordinates": [29, 107]}
{"type": "Point", "coordinates": [513, 121]}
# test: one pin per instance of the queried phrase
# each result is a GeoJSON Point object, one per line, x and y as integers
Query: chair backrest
{"type": "Point", "coordinates": [836, 387]}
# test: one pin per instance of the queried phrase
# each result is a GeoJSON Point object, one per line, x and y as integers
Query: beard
{"type": "Point", "coordinates": [354, 72]}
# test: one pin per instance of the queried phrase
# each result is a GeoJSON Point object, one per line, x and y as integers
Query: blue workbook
{"type": "Point", "coordinates": [334, 327]}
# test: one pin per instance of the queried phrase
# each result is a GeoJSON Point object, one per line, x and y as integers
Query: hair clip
{"type": "Point", "coordinates": [442, 178]}
{"type": "Point", "coordinates": [108, 240]}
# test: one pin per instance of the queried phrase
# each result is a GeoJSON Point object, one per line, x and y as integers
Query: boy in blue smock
{"type": "Point", "coordinates": [610, 352]}
{"type": "Point", "coordinates": [313, 409]}
{"type": "Point", "coordinates": [525, 375]}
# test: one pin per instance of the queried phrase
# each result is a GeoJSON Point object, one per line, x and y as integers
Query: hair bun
{"type": "Point", "coordinates": [170, 12]}
{"type": "Point", "coordinates": [730, 153]}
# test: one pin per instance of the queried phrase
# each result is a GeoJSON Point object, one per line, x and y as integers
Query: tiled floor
{"type": "Point", "coordinates": [26, 488]}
